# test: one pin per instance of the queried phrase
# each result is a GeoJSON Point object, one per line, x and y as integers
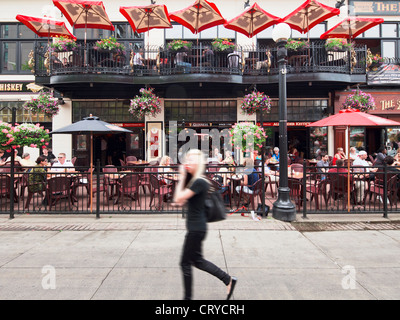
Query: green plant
{"type": "Point", "coordinates": [176, 45]}
{"type": "Point", "coordinates": [256, 101]}
{"type": "Point", "coordinates": [28, 134]}
{"type": "Point", "coordinates": [295, 45]}
{"type": "Point", "coordinates": [377, 59]}
{"type": "Point", "coordinates": [44, 102]}
{"type": "Point", "coordinates": [222, 44]}
{"type": "Point", "coordinates": [359, 100]}
{"type": "Point", "coordinates": [63, 44]}
{"type": "Point", "coordinates": [247, 136]}
{"type": "Point", "coordinates": [110, 44]}
{"type": "Point", "coordinates": [147, 104]}
{"type": "Point", "coordinates": [6, 137]}
{"type": "Point", "coordinates": [335, 44]}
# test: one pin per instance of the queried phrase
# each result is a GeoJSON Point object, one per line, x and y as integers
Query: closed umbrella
{"type": "Point", "coordinates": [353, 118]}
{"type": "Point", "coordinates": [252, 21]}
{"type": "Point", "coordinates": [90, 125]}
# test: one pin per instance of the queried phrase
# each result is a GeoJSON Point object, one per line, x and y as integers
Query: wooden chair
{"type": "Point", "coordinates": [377, 188]}
{"type": "Point", "coordinates": [128, 186]}
{"type": "Point", "coordinates": [295, 191]}
{"type": "Point", "coordinates": [318, 190]}
{"type": "Point", "coordinates": [256, 187]}
{"type": "Point", "coordinates": [218, 186]}
{"type": "Point", "coordinates": [108, 182]}
{"type": "Point", "coordinates": [59, 188]}
{"type": "Point", "coordinates": [158, 190]}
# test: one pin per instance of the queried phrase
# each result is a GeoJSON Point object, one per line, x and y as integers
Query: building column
{"type": "Point", "coordinates": [63, 142]}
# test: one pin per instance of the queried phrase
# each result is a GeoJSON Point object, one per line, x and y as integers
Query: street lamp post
{"type": "Point", "coordinates": [283, 209]}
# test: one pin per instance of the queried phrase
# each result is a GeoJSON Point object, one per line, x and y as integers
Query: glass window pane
{"type": "Point", "coordinates": [26, 47]}
{"type": "Point", "coordinates": [389, 30]}
{"type": "Point", "coordinates": [210, 33]}
{"type": "Point", "coordinates": [9, 31]}
{"type": "Point", "coordinates": [25, 32]}
{"type": "Point", "coordinates": [175, 32]}
{"type": "Point", "coordinates": [226, 33]}
{"type": "Point", "coordinates": [9, 56]}
{"type": "Point", "coordinates": [265, 34]}
{"type": "Point", "coordinates": [120, 31]}
{"type": "Point", "coordinates": [372, 33]}
{"type": "Point", "coordinates": [389, 49]}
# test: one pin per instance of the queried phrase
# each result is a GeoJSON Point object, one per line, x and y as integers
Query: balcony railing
{"type": "Point", "coordinates": [158, 61]}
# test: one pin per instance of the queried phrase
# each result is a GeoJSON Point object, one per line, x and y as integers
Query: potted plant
{"type": "Point", "coordinates": [376, 62]}
{"type": "Point", "coordinates": [147, 104]}
{"type": "Point", "coordinates": [63, 44]}
{"type": "Point", "coordinates": [256, 101]}
{"type": "Point", "coordinates": [337, 44]}
{"type": "Point", "coordinates": [296, 45]}
{"type": "Point", "coordinates": [110, 45]}
{"type": "Point", "coordinates": [223, 45]}
{"type": "Point", "coordinates": [31, 135]}
{"type": "Point", "coordinates": [247, 136]}
{"type": "Point", "coordinates": [179, 45]}
{"type": "Point", "coordinates": [359, 100]}
{"type": "Point", "coordinates": [44, 102]}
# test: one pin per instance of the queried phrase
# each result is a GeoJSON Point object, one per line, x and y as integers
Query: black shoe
{"type": "Point", "coordinates": [233, 284]}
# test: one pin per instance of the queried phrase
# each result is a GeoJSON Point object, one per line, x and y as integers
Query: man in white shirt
{"type": "Point", "coordinates": [62, 165]}
{"type": "Point", "coordinates": [361, 179]}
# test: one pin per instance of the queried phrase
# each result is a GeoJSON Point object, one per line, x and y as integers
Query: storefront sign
{"type": "Point", "coordinates": [387, 74]}
{"type": "Point", "coordinates": [379, 8]}
{"type": "Point", "coordinates": [13, 87]}
{"type": "Point", "coordinates": [289, 124]}
{"type": "Point", "coordinates": [130, 125]}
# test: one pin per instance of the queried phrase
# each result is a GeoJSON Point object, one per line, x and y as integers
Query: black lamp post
{"type": "Point", "coordinates": [283, 209]}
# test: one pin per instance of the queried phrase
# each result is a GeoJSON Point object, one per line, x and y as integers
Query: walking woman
{"type": "Point", "coordinates": [192, 188]}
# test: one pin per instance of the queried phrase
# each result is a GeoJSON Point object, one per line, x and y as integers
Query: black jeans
{"type": "Point", "coordinates": [192, 255]}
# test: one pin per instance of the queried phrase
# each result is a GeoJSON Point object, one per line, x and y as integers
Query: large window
{"type": "Point", "coordinates": [200, 110]}
{"type": "Point", "coordinates": [109, 111]}
{"type": "Point", "coordinates": [16, 41]}
{"type": "Point", "coordinates": [22, 115]}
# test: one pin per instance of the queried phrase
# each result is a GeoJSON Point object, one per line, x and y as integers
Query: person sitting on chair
{"type": "Point", "coordinates": [180, 61]}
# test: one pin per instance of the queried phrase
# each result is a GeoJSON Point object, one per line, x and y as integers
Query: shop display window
{"type": "Point", "coordinates": [318, 141]}
{"type": "Point", "coordinates": [357, 138]}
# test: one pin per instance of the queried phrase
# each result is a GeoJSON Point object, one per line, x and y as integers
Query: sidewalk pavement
{"type": "Point", "coordinates": [137, 257]}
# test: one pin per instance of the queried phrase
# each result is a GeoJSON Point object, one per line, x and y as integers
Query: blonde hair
{"type": "Point", "coordinates": [200, 161]}
{"type": "Point", "coordinates": [164, 160]}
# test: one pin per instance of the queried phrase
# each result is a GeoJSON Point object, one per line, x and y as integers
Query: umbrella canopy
{"type": "Point", "coordinates": [252, 21]}
{"type": "Point", "coordinates": [308, 15]}
{"type": "Point", "coordinates": [91, 125]}
{"type": "Point", "coordinates": [85, 14]}
{"type": "Point", "coordinates": [199, 16]}
{"type": "Point", "coordinates": [46, 27]}
{"type": "Point", "coordinates": [351, 27]}
{"type": "Point", "coordinates": [353, 118]}
{"type": "Point", "coordinates": [145, 18]}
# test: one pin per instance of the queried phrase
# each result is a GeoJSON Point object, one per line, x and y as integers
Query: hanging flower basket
{"type": "Point", "coordinates": [247, 136]}
{"type": "Point", "coordinates": [110, 45]}
{"type": "Point", "coordinates": [359, 100]}
{"type": "Point", "coordinates": [337, 45]}
{"type": "Point", "coordinates": [147, 104]}
{"type": "Point", "coordinates": [62, 44]}
{"type": "Point", "coordinates": [43, 103]}
{"type": "Point", "coordinates": [256, 101]}
{"type": "Point", "coordinates": [179, 45]}
{"type": "Point", "coordinates": [223, 45]}
{"type": "Point", "coordinates": [296, 45]}
{"type": "Point", "coordinates": [31, 135]}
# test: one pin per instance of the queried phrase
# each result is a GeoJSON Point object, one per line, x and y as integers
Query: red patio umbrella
{"type": "Point", "coordinates": [353, 118]}
{"type": "Point", "coordinates": [199, 16]}
{"type": "Point", "coordinates": [46, 26]}
{"type": "Point", "coordinates": [145, 18]}
{"type": "Point", "coordinates": [308, 15]}
{"type": "Point", "coordinates": [351, 27]}
{"type": "Point", "coordinates": [252, 21]}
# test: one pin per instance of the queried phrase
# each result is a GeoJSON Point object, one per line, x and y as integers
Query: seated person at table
{"type": "Point", "coordinates": [56, 63]}
{"type": "Point", "coordinates": [180, 62]}
{"type": "Point", "coordinates": [208, 57]}
{"type": "Point", "coordinates": [340, 169]}
{"type": "Point", "coordinates": [165, 162]}
{"type": "Point", "coordinates": [62, 165]}
{"type": "Point", "coordinates": [49, 155]}
{"type": "Point", "coordinates": [250, 176]}
{"type": "Point", "coordinates": [138, 61]}
{"type": "Point", "coordinates": [228, 159]}
{"type": "Point", "coordinates": [364, 174]}
{"type": "Point", "coordinates": [353, 153]}
{"type": "Point", "coordinates": [37, 177]}
{"type": "Point", "coordinates": [339, 155]}
{"type": "Point", "coordinates": [26, 160]}
{"type": "Point", "coordinates": [323, 165]}
{"type": "Point", "coordinates": [2, 161]}
{"type": "Point", "coordinates": [16, 157]}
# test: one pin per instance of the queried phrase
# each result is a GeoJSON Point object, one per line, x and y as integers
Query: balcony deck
{"type": "Point", "coordinates": [160, 66]}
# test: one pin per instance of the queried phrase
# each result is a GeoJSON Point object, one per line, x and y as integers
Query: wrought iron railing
{"type": "Point", "coordinates": [149, 189]}
{"type": "Point", "coordinates": [158, 61]}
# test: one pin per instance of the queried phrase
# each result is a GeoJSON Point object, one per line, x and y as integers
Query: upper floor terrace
{"type": "Point", "coordinates": [157, 65]}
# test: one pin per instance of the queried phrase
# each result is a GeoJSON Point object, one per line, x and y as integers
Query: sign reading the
{"type": "Point", "coordinates": [379, 8]}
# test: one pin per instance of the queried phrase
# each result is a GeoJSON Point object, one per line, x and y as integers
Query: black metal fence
{"type": "Point", "coordinates": [149, 189]}
{"type": "Point", "coordinates": [158, 61]}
